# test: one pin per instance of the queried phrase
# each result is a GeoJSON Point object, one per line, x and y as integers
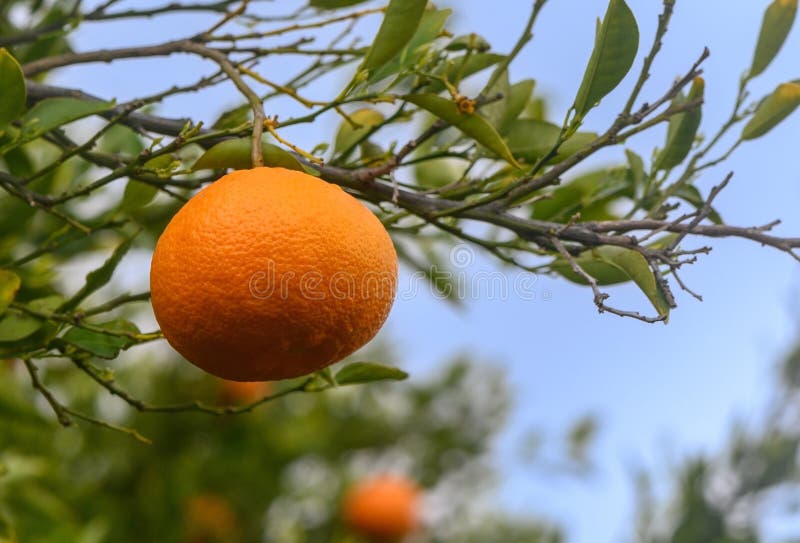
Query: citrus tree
{"type": "Point", "coordinates": [432, 135]}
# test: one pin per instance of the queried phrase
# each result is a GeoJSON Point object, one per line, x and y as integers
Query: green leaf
{"type": "Point", "coordinates": [615, 47]}
{"type": "Point", "coordinates": [430, 28]}
{"type": "Point", "coordinates": [12, 88]}
{"type": "Point", "coordinates": [398, 27]}
{"type": "Point", "coordinates": [690, 194]}
{"type": "Point", "coordinates": [775, 27]}
{"type": "Point", "coordinates": [612, 265]}
{"type": "Point", "coordinates": [473, 125]}
{"type": "Point", "coordinates": [589, 194]}
{"type": "Point", "coordinates": [19, 332]}
{"type": "Point", "coordinates": [682, 129]}
{"type": "Point", "coordinates": [235, 153]}
{"type": "Point", "coordinates": [772, 110]}
{"type": "Point", "coordinates": [99, 344]}
{"type": "Point", "coordinates": [232, 118]}
{"type": "Point", "coordinates": [98, 278]}
{"type": "Point", "coordinates": [14, 327]}
{"type": "Point", "coordinates": [519, 95]}
{"type": "Point", "coordinates": [333, 4]}
{"type": "Point", "coordinates": [460, 68]}
{"type": "Point", "coordinates": [367, 372]}
{"type": "Point", "coordinates": [530, 140]}
{"type": "Point", "coordinates": [52, 113]}
{"type": "Point", "coordinates": [348, 135]}
{"type": "Point", "coordinates": [7, 532]}
{"type": "Point", "coordinates": [495, 112]}
{"type": "Point", "coordinates": [636, 168]}
{"type": "Point", "coordinates": [469, 42]}
{"type": "Point", "coordinates": [9, 285]}
{"type": "Point", "coordinates": [137, 195]}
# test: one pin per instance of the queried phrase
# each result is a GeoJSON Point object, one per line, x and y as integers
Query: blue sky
{"type": "Point", "coordinates": [661, 392]}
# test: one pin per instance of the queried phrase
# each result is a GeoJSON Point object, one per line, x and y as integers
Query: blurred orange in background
{"type": "Point", "coordinates": [384, 508]}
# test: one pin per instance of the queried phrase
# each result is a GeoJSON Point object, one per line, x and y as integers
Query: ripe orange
{"type": "Point", "coordinates": [271, 273]}
{"type": "Point", "coordinates": [242, 392]}
{"type": "Point", "coordinates": [383, 508]}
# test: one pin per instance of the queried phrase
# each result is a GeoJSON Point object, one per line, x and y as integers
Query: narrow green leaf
{"type": "Point", "coordinates": [367, 372]}
{"type": "Point", "coordinates": [772, 110]}
{"type": "Point", "coordinates": [9, 285]}
{"type": "Point", "coordinates": [775, 27]}
{"type": "Point", "coordinates": [398, 27]}
{"type": "Point", "coordinates": [615, 47]}
{"type": "Point", "coordinates": [636, 168]}
{"type": "Point", "coordinates": [98, 278]}
{"type": "Point", "coordinates": [334, 4]}
{"type": "Point", "coordinates": [99, 344]}
{"type": "Point", "coordinates": [235, 153]}
{"type": "Point", "coordinates": [348, 135]}
{"type": "Point", "coordinates": [12, 88]}
{"type": "Point", "coordinates": [682, 129]}
{"type": "Point", "coordinates": [473, 125]}
{"type": "Point", "coordinates": [430, 28]}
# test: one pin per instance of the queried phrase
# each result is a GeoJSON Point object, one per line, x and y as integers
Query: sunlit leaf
{"type": "Point", "coordinates": [9, 285]}
{"type": "Point", "coordinates": [430, 27]}
{"type": "Point", "coordinates": [775, 108]}
{"type": "Point", "coordinates": [398, 27]}
{"type": "Point", "coordinates": [12, 88]}
{"type": "Point", "coordinates": [682, 129]}
{"type": "Point", "coordinates": [367, 372]}
{"type": "Point", "coordinates": [519, 95]}
{"type": "Point", "coordinates": [348, 135]}
{"type": "Point", "coordinates": [473, 125]}
{"type": "Point", "coordinates": [615, 47]}
{"type": "Point", "coordinates": [775, 27]}
{"type": "Point", "coordinates": [235, 153]}
{"type": "Point", "coordinates": [14, 327]}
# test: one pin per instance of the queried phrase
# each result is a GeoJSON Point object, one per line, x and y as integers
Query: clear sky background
{"type": "Point", "coordinates": [662, 393]}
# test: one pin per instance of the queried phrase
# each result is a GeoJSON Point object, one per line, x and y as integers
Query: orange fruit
{"type": "Point", "coordinates": [242, 392]}
{"type": "Point", "coordinates": [209, 518]}
{"type": "Point", "coordinates": [271, 273]}
{"type": "Point", "coordinates": [383, 508]}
